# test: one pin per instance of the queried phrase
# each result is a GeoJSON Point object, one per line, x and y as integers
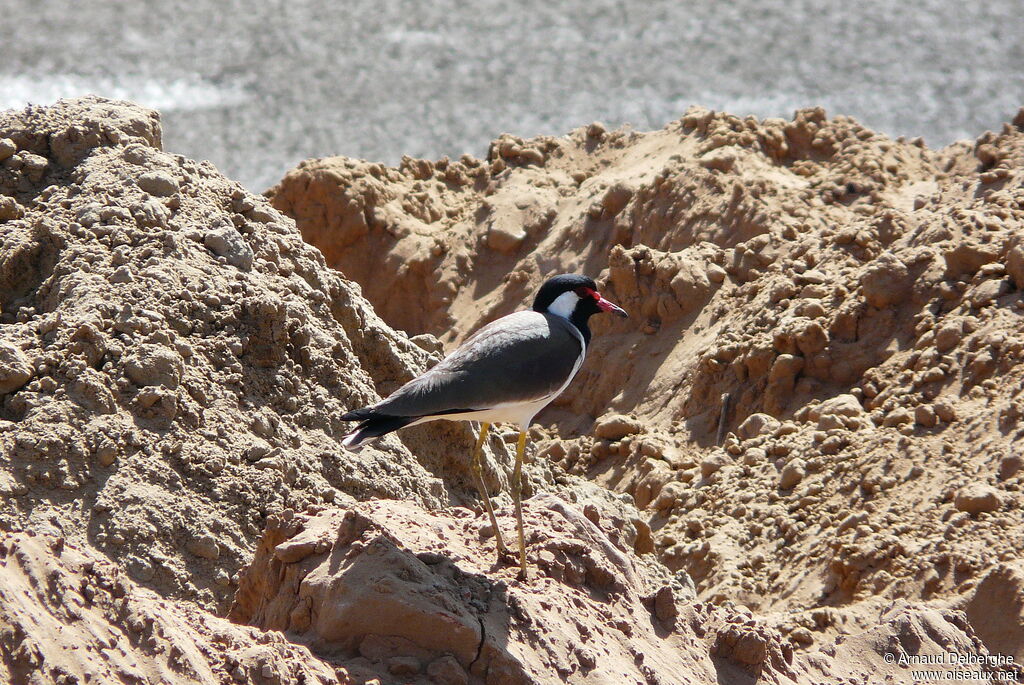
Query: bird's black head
{"type": "Point", "coordinates": [575, 298]}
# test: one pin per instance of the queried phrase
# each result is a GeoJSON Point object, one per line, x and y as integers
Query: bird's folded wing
{"type": "Point", "coordinates": [519, 358]}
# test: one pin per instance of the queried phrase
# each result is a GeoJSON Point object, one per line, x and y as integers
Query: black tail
{"type": "Point", "coordinates": [363, 414]}
{"type": "Point", "coordinates": [372, 426]}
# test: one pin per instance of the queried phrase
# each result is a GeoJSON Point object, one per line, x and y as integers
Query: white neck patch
{"type": "Point", "coordinates": [564, 305]}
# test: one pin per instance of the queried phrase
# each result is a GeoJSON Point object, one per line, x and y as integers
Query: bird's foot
{"type": "Point", "coordinates": [507, 556]}
{"type": "Point", "coordinates": [512, 557]}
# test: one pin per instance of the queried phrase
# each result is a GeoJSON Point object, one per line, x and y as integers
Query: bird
{"type": "Point", "coordinates": [507, 371]}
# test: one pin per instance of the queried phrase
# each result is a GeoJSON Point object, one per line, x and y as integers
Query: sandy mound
{"type": "Point", "coordinates": [176, 357]}
{"type": "Point", "coordinates": [69, 616]}
{"type": "Point", "coordinates": [173, 360]}
{"type": "Point", "coordinates": [842, 309]}
{"type": "Point", "coordinates": [387, 587]}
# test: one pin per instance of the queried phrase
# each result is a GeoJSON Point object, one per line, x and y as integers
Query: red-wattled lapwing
{"type": "Point", "coordinates": [507, 371]}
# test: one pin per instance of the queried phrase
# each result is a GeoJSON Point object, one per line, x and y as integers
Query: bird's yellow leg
{"type": "Point", "coordinates": [479, 471]}
{"type": "Point", "coordinates": [517, 492]}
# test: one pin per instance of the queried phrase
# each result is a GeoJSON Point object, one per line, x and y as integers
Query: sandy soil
{"type": "Point", "coordinates": [175, 357]}
{"type": "Point", "coordinates": [848, 304]}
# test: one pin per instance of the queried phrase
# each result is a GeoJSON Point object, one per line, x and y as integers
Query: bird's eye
{"type": "Point", "coordinates": [585, 292]}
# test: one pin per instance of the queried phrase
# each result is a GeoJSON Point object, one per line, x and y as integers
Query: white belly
{"type": "Point", "coordinates": [519, 414]}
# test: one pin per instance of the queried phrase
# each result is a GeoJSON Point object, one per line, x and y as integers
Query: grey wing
{"type": "Point", "coordinates": [519, 358]}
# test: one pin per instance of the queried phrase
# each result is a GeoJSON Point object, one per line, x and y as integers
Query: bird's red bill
{"type": "Point", "coordinates": [603, 304]}
{"type": "Point", "coordinates": [607, 306]}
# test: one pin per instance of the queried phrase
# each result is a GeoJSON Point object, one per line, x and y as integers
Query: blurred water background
{"type": "Point", "coordinates": [256, 86]}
